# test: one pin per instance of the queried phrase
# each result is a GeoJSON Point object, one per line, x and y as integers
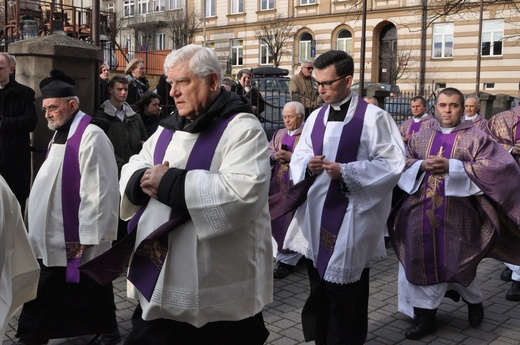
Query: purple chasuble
{"type": "Point", "coordinates": [109, 265]}
{"type": "Point", "coordinates": [434, 211]}
{"type": "Point", "coordinates": [70, 200]}
{"type": "Point", "coordinates": [289, 140]}
{"type": "Point", "coordinates": [516, 133]}
{"type": "Point", "coordinates": [414, 127]}
{"type": "Point", "coordinates": [336, 202]}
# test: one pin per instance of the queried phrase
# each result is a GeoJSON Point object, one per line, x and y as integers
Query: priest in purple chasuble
{"type": "Point", "coordinates": [420, 119]}
{"type": "Point", "coordinates": [281, 147]}
{"type": "Point", "coordinates": [72, 217]}
{"type": "Point", "coordinates": [463, 205]}
{"type": "Point", "coordinates": [205, 171]}
{"type": "Point", "coordinates": [357, 154]}
{"type": "Point", "coordinates": [471, 113]}
{"type": "Point", "coordinates": [504, 127]}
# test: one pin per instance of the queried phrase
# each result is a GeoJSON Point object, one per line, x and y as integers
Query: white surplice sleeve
{"type": "Point", "coordinates": [98, 210]}
{"type": "Point", "coordinates": [235, 189]}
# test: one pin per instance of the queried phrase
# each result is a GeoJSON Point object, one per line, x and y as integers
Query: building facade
{"type": "Point", "coordinates": [412, 43]}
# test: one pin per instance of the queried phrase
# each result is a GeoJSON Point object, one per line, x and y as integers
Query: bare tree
{"type": "Point", "coordinates": [276, 32]}
{"type": "Point", "coordinates": [182, 25]}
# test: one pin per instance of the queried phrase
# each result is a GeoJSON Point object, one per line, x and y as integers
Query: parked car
{"type": "Point", "coordinates": [394, 89]}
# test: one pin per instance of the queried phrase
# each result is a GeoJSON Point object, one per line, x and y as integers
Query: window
{"type": "Point", "coordinates": [492, 35]}
{"type": "Point", "coordinates": [128, 8]}
{"type": "Point", "coordinates": [210, 44]}
{"type": "Point", "coordinates": [158, 5]}
{"type": "Point", "coordinates": [489, 86]}
{"type": "Point", "coordinates": [307, 2]}
{"type": "Point", "coordinates": [160, 41]}
{"type": "Point", "coordinates": [305, 47]}
{"type": "Point", "coordinates": [266, 5]}
{"type": "Point", "coordinates": [442, 40]}
{"type": "Point", "coordinates": [143, 6]}
{"type": "Point", "coordinates": [345, 41]}
{"type": "Point", "coordinates": [237, 6]}
{"type": "Point", "coordinates": [175, 4]}
{"type": "Point", "coordinates": [127, 41]}
{"type": "Point", "coordinates": [237, 53]}
{"type": "Point", "coordinates": [266, 57]}
{"type": "Point", "coordinates": [110, 7]}
{"type": "Point", "coordinates": [210, 8]}
{"type": "Point", "coordinates": [440, 86]}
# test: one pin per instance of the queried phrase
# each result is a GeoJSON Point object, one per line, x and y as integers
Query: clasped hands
{"type": "Point", "coordinates": [318, 164]}
{"type": "Point", "coordinates": [435, 165]}
{"type": "Point", "coordinates": [282, 156]}
{"type": "Point", "coordinates": [152, 178]}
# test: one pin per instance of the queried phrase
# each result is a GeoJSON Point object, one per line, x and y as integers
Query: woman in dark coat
{"type": "Point", "coordinates": [138, 84]}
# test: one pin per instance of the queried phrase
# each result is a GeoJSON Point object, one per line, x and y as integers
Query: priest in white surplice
{"type": "Point", "coordinates": [357, 153]}
{"type": "Point", "coordinates": [72, 216]}
{"type": "Point", "coordinates": [19, 270]}
{"type": "Point", "coordinates": [203, 177]}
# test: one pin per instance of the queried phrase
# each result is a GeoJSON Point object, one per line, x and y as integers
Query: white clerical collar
{"type": "Point", "coordinates": [419, 119]}
{"type": "Point", "coordinates": [337, 106]}
{"type": "Point", "coordinates": [293, 132]}
{"type": "Point", "coordinates": [449, 130]}
{"type": "Point", "coordinates": [472, 118]}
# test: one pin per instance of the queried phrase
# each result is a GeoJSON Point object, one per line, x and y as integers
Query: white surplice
{"type": "Point", "coordinates": [219, 264]}
{"type": "Point", "coordinates": [19, 271]}
{"type": "Point", "coordinates": [98, 209]}
{"type": "Point", "coordinates": [370, 180]}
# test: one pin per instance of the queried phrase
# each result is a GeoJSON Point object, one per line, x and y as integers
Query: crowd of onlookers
{"type": "Point", "coordinates": [187, 201]}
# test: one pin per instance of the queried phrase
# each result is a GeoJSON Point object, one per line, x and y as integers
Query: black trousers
{"type": "Point", "coordinates": [250, 331]}
{"type": "Point", "coordinates": [336, 314]}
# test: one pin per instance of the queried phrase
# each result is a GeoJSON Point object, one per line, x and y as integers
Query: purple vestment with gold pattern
{"type": "Point", "coordinates": [504, 127]}
{"type": "Point", "coordinates": [409, 127]}
{"type": "Point", "coordinates": [440, 238]}
{"type": "Point", "coordinates": [281, 181]}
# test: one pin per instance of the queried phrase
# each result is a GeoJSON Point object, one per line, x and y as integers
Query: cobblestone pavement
{"type": "Point", "coordinates": [501, 324]}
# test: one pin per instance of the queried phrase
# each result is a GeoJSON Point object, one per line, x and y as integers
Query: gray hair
{"type": "Point", "coordinates": [201, 61]}
{"type": "Point", "coordinates": [474, 97]}
{"type": "Point", "coordinates": [300, 109]}
{"type": "Point", "coordinates": [73, 98]}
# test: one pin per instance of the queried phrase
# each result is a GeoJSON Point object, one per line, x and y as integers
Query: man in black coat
{"type": "Point", "coordinates": [244, 88]}
{"type": "Point", "coordinates": [17, 120]}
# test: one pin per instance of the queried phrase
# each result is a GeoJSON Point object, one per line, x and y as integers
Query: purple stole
{"type": "Point", "coordinates": [434, 211]}
{"type": "Point", "coordinates": [414, 127]}
{"type": "Point", "coordinates": [70, 200]}
{"type": "Point", "coordinates": [336, 202]}
{"type": "Point", "coordinates": [146, 263]}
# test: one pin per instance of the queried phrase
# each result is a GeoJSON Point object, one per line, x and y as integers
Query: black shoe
{"type": "Point", "coordinates": [282, 270]}
{"type": "Point", "coordinates": [106, 339]}
{"type": "Point", "coordinates": [475, 314]}
{"type": "Point", "coordinates": [506, 274]}
{"type": "Point", "coordinates": [423, 325]}
{"type": "Point", "coordinates": [514, 292]}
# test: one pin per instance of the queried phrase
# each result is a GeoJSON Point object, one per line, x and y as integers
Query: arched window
{"type": "Point", "coordinates": [345, 41]}
{"type": "Point", "coordinates": [305, 46]}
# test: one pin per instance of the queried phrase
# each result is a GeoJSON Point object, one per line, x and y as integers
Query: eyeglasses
{"type": "Point", "coordinates": [309, 68]}
{"type": "Point", "coordinates": [327, 85]}
{"type": "Point", "coordinates": [52, 109]}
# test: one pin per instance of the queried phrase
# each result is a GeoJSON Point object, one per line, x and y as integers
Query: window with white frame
{"type": "Point", "coordinates": [237, 6]}
{"type": "Point", "coordinates": [237, 51]}
{"type": "Point", "coordinates": [160, 41]}
{"type": "Point", "coordinates": [344, 41]}
{"type": "Point", "coordinates": [305, 47]}
{"type": "Point", "coordinates": [210, 44]}
{"type": "Point", "coordinates": [175, 4]}
{"type": "Point", "coordinates": [142, 6]}
{"type": "Point", "coordinates": [307, 2]}
{"type": "Point", "coordinates": [492, 36]}
{"type": "Point", "coordinates": [110, 7]}
{"type": "Point", "coordinates": [266, 5]}
{"type": "Point", "coordinates": [266, 58]}
{"type": "Point", "coordinates": [442, 40]}
{"type": "Point", "coordinates": [128, 8]}
{"type": "Point", "coordinates": [210, 8]}
{"type": "Point", "coordinates": [158, 5]}
{"type": "Point", "coordinates": [128, 41]}
{"type": "Point", "coordinates": [489, 86]}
